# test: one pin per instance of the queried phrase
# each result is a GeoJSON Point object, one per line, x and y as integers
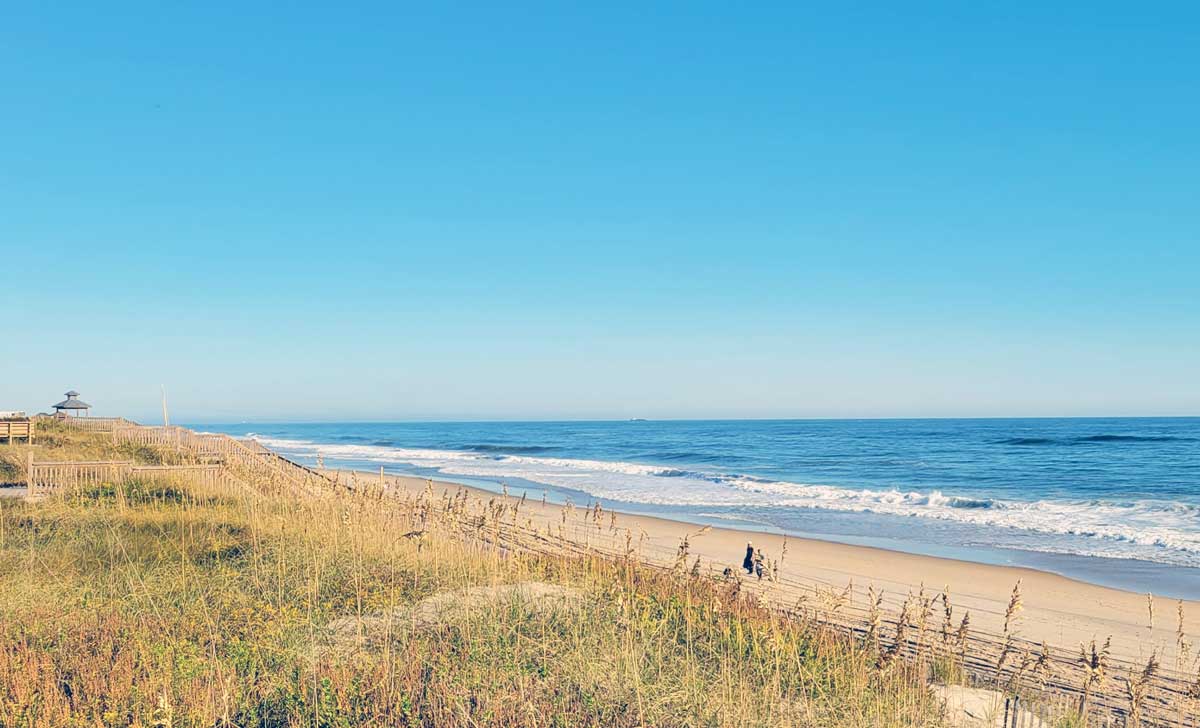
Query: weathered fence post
{"type": "Point", "coordinates": [30, 483]}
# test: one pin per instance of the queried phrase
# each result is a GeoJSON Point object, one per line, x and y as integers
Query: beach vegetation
{"type": "Point", "coordinates": [237, 601]}
{"type": "Point", "coordinates": [143, 603]}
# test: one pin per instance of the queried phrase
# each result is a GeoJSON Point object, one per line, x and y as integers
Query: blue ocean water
{"type": "Point", "coordinates": [1113, 501]}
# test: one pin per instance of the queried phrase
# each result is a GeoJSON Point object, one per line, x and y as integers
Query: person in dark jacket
{"type": "Point", "coordinates": [748, 562]}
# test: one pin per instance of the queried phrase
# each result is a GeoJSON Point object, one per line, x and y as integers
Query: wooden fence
{"type": "Point", "coordinates": [909, 631]}
{"type": "Point", "coordinates": [48, 477]}
{"type": "Point", "coordinates": [45, 477]}
{"type": "Point", "coordinates": [99, 424]}
{"type": "Point", "coordinates": [227, 457]}
{"type": "Point", "coordinates": [247, 459]}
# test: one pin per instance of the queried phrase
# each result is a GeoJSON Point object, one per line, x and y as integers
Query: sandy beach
{"type": "Point", "coordinates": [1060, 611]}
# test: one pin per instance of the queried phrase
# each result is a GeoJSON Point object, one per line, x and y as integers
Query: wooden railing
{"type": "Point", "coordinates": [247, 459]}
{"type": "Point", "coordinates": [203, 474]}
{"type": "Point", "coordinates": [146, 435]}
{"type": "Point", "coordinates": [48, 477]}
{"type": "Point", "coordinates": [215, 456]}
{"type": "Point", "coordinates": [45, 477]}
{"type": "Point", "coordinates": [99, 424]}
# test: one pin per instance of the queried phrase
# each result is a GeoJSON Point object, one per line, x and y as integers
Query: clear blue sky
{"type": "Point", "coordinates": [541, 211]}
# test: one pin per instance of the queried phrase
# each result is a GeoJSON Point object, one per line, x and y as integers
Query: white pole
{"type": "Point", "coordinates": [166, 419]}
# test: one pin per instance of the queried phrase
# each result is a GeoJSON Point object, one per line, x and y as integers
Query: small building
{"type": "Point", "coordinates": [72, 405]}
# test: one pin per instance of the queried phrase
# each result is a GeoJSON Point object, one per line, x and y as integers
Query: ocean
{"type": "Point", "coordinates": [1110, 501]}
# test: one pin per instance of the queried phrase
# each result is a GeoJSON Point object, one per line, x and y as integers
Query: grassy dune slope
{"type": "Point", "coordinates": [159, 604]}
{"type": "Point", "coordinates": [55, 441]}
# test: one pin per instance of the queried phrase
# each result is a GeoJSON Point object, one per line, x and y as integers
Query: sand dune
{"type": "Point", "coordinates": [1061, 611]}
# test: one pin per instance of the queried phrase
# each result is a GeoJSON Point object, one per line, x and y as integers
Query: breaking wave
{"type": "Point", "coordinates": [1169, 531]}
{"type": "Point", "coordinates": [517, 449]}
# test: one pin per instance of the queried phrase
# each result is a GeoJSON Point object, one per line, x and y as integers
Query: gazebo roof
{"type": "Point", "coordinates": [71, 403]}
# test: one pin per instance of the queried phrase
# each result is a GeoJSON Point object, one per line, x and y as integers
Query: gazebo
{"type": "Point", "coordinates": [71, 405]}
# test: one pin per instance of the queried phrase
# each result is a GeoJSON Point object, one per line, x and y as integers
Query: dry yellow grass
{"type": "Point", "coordinates": [57, 441]}
{"type": "Point", "coordinates": [163, 604]}
{"type": "Point", "coordinates": [246, 603]}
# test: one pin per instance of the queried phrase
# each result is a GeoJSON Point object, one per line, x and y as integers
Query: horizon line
{"type": "Point", "coordinates": [678, 419]}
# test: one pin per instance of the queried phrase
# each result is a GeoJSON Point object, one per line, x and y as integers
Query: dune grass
{"type": "Point", "coordinates": [163, 604]}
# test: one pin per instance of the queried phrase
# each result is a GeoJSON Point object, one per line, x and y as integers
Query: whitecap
{"type": "Point", "coordinates": [1168, 529]}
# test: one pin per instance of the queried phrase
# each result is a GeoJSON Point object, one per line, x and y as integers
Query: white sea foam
{"type": "Point", "coordinates": [1162, 530]}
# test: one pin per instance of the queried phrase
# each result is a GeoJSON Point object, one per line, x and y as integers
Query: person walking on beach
{"type": "Point", "coordinates": [748, 562]}
{"type": "Point", "coordinates": [758, 563]}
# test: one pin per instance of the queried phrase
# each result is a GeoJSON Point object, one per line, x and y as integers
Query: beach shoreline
{"type": "Point", "coordinates": [1056, 609]}
{"type": "Point", "coordinates": [1105, 501]}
